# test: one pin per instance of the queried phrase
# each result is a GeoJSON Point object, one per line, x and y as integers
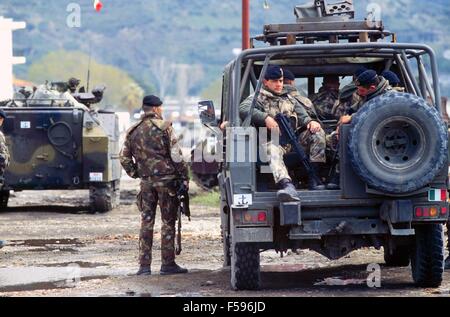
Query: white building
{"type": "Point", "coordinates": [7, 60]}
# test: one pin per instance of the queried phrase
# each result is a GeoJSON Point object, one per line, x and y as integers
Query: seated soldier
{"type": "Point", "coordinates": [291, 89]}
{"type": "Point", "coordinates": [348, 96]}
{"type": "Point", "coordinates": [327, 97]}
{"type": "Point", "coordinates": [369, 85]}
{"type": "Point", "coordinates": [271, 101]}
{"type": "Point", "coordinates": [393, 80]}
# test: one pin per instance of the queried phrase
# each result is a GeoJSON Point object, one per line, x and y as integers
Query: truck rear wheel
{"type": "Point", "coordinates": [389, 144]}
{"type": "Point", "coordinates": [399, 258]}
{"type": "Point", "coordinates": [427, 257]}
{"type": "Point", "coordinates": [245, 267]}
{"type": "Point", "coordinates": [104, 197]}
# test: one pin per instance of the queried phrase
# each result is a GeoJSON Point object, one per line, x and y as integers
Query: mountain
{"type": "Point", "coordinates": [132, 35]}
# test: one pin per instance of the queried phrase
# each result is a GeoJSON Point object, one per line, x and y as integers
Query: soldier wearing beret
{"type": "Point", "coordinates": [369, 86]}
{"type": "Point", "coordinates": [272, 100]}
{"type": "Point", "coordinates": [394, 81]}
{"type": "Point", "coordinates": [151, 152]}
{"type": "Point", "coordinates": [291, 89]}
{"type": "Point", "coordinates": [4, 158]}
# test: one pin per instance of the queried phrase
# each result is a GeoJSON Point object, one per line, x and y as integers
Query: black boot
{"type": "Point", "coordinates": [315, 182]}
{"type": "Point", "coordinates": [287, 191]}
{"type": "Point", "coordinates": [144, 270]}
{"type": "Point", "coordinates": [334, 183]}
{"type": "Point", "coordinates": [172, 269]}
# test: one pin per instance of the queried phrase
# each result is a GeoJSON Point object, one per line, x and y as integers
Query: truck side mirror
{"type": "Point", "coordinates": [207, 113]}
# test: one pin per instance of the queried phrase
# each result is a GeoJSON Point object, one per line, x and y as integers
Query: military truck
{"type": "Point", "coordinates": [58, 141]}
{"type": "Point", "coordinates": [393, 156]}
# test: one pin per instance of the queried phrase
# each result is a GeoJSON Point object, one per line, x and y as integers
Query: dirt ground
{"type": "Point", "coordinates": [55, 248]}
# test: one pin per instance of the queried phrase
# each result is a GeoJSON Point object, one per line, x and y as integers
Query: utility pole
{"type": "Point", "coordinates": [245, 24]}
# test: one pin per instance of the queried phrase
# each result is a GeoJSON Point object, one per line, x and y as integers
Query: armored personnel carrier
{"type": "Point", "coordinates": [393, 156]}
{"type": "Point", "coordinates": [58, 142]}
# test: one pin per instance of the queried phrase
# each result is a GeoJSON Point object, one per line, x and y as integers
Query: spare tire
{"type": "Point", "coordinates": [398, 143]}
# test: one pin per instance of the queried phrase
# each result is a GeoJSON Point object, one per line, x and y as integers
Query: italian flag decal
{"type": "Point", "coordinates": [437, 195]}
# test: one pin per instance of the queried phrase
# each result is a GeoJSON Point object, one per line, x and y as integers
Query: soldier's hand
{"type": "Point", "coordinates": [223, 125]}
{"type": "Point", "coordinates": [186, 183]}
{"type": "Point", "coordinates": [271, 123]}
{"type": "Point", "coordinates": [314, 127]}
{"type": "Point", "coordinates": [345, 120]}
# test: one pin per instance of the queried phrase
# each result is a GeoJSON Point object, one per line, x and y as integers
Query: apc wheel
{"type": "Point", "coordinates": [399, 258]}
{"type": "Point", "coordinates": [389, 143]}
{"type": "Point", "coordinates": [103, 197]}
{"type": "Point", "coordinates": [245, 267]}
{"type": "Point", "coordinates": [427, 258]}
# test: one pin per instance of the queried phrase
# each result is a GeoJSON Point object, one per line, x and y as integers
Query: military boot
{"type": "Point", "coordinates": [314, 181]}
{"type": "Point", "coordinates": [172, 269]}
{"type": "Point", "coordinates": [334, 183]}
{"type": "Point", "coordinates": [144, 270]}
{"type": "Point", "coordinates": [287, 191]}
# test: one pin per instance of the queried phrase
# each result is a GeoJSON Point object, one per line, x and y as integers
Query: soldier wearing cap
{"type": "Point", "coordinates": [272, 100]}
{"type": "Point", "coordinates": [151, 152]}
{"type": "Point", "coordinates": [4, 158]}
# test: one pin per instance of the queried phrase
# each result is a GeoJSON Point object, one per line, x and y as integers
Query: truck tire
{"type": "Point", "coordinates": [103, 197]}
{"type": "Point", "coordinates": [427, 257]}
{"type": "Point", "coordinates": [389, 144]}
{"type": "Point", "coordinates": [399, 258]}
{"type": "Point", "coordinates": [245, 267]}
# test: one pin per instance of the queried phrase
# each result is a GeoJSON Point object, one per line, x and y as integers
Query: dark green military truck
{"type": "Point", "coordinates": [393, 157]}
{"type": "Point", "coordinates": [58, 142]}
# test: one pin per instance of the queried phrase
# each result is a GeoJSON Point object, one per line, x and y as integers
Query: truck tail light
{"type": "Point", "coordinates": [262, 216]}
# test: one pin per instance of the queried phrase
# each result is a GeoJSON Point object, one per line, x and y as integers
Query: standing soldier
{"type": "Point", "coordinates": [151, 152]}
{"type": "Point", "coordinates": [327, 97]}
{"type": "Point", "coordinates": [4, 158]}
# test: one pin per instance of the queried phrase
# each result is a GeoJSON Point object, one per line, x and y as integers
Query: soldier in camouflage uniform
{"type": "Point", "coordinates": [327, 97]}
{"type": "Point", "coordinates": [291, 89]}
{"type": "Point", "coordinates": [4, 158]}
{"type": "Point", "coordinates": [348, 96]}
{"type": "Point", "coordinates": [393, 80]}
{"type": "Point", "coordinates": [370, 86]}
{"type": "Point", "coordinates": [271, 101]}
{"type": "Point", "coordinates": [151, 153]}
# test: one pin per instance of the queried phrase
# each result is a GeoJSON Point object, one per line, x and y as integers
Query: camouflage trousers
{"type": "Point", "coordinates": [314, 145]}
{"type": "Point", "coordinates": [147, 200]}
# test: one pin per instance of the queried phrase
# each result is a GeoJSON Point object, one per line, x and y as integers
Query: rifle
{"type": "Point", "coordinates": [183, 198]}
{"type": "Point", "coordinates": [288, 136]}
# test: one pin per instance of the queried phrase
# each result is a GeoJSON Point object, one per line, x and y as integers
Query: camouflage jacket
{"type": "Point", "coordinates": [304, 101]}
{"type": "Point", "coordinates": [382, 88]}
{"type": "Point", "coordinates": [324, 101]}
{"type": "Point", "coordinates": [348, 96]}
{"type": "Point", "coordinates": [151, 151]}
{"type": "Point", "coordinates": [270, 104]}
{"type": "Point", "coordinates": [4, 154]}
